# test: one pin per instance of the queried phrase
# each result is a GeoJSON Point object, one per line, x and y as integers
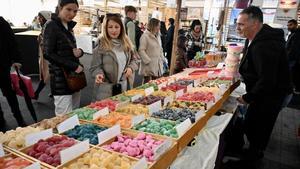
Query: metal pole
{"type": "Point", "coordinates": [223, 23]}
{"type": "Point", "coordinates": [174, 49]}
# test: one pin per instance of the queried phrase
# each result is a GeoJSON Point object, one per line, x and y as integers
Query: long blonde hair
{"type": "Point", "coordinates": [106, 41]}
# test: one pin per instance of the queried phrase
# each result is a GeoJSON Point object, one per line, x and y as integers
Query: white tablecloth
{"type": "Point", "coordinates": [203, 154]}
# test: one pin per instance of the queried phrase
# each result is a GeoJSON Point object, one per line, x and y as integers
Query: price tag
{"type": "Point", "coordinates": [102, 112]}
{"type": "Point", "coordinates": [220, 65]}
{"type": "Point", "coordinates": [197, 82]}
{"type": "Point", "coordinates": [149, 90]}
{"type": "Point", "coordinates": [154, 107]}
{"type": "Point", "coordinates": [179, 93]}
{"type": "Point", "coordinates": [167, 100]}
{"type": "Point", "coordinates": [141, 164]}
{"type": "Point", "coordinates": [162, 148]}
{"type": "Point", "coordinates": [133, 98]}
{"type": "Point", "coordinates": [210, 104]}
{"type": "Point", "coordinates": [189, 87]}
{"type": "Point", "coordinates": [217, 97]}
{"type": "Point", "coordinates": [137, 119]}
{"type": "Point", "coordinates": [1, 151]}
{"type": "Point", "coordinates": [199, 115]}
{"type": "Point", "coordinates": [171, 81]}
{"type": "Point", "coordinates": [35, 165]}
{"type": "Point", "coordinates": [76, 150]}
{"type": "Point", "coordinates": [183, 127]}
{"type": "Point", "coordinates": [223, 88]}
{"type": "Point", "coordinates": [33, 138]}
{"type": "Point", "coordinates": [164, 84]}
{"type": "Point", "coordinates": [109, 133]}
{"type": "Point", "coordinates": [68, 124]}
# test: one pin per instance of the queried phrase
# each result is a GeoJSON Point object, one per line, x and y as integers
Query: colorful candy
{"type": "Point", "coordinates": [158, 126]}
{"type": "Point", "coordinates": [85, 131]}
{"type": "Point", "coordinates": [140, 146]}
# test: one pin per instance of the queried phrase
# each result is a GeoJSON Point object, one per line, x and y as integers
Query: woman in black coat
{"type": "Point", "coordinates": [61, 51]}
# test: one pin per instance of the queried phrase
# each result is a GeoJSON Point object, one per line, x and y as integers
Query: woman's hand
{"type": "Point", "coordinates": [99, 78]}
{"type": "Point", "coordinates": [79, 69]}
{"type": "Point", "coordinates": [77, 52]}
{"type": "Point", "coordinates": [128, 72]}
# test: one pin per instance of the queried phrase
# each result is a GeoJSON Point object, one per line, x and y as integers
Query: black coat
{"type": "Point", "coordinates": [9, 52]}
{"type": "Point", "coordinates": [58, 50]}
{"type": "Point", "coordinates": [293, 46]}
{"type": "Point", "coordinates": [264, 66]}
{"type": "Point", "coordinates": [170, 36]}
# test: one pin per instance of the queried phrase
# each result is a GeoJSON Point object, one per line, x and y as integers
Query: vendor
{"type": "Point", "coordinates": [194, 39]}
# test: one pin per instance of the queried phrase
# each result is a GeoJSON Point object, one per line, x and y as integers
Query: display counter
{"type": "Point", "coordinates": [160, 140]}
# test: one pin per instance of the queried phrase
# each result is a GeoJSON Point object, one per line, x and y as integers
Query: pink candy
{"type": "Point", "coordinates": [141, 146]}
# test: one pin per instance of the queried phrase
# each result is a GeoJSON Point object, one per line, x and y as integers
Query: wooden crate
{"type": "Point", "coordinates": [164, 161]}
{"type": "Point", "coordinates": [94, 147]}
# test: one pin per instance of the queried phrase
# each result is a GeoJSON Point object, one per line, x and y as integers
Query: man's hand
{"type": "Point", "coordinates": [128, 72]}
{"type": "Point", "coordinates": [18, 65]}
{"type": "Point", "coordinates": [77, 52]}
{"type": "Point", "coordinates": [99, 78]}
{"type": "Point", "coordinates": [79, 69]}
{"type": "Point", "coordinates": [241, 100]}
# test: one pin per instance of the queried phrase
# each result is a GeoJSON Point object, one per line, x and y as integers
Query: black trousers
{"type": "Point", "coordinates": [260, 119]}
{"type": "Point", "coordinates": [10, 95]}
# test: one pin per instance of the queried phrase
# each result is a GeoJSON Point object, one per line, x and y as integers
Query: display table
{"type": "Point", "coordinates": [171, 136]}
{"type": "Point", "coordinates": [28, 47]}
{"type": "Point", "coordinates": [207, 142]}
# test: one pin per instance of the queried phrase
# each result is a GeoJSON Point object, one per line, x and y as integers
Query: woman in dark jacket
{"type": "Point", "coordinates": [194, 39]}
{"type": "Point", "coordinates": [61, 51]}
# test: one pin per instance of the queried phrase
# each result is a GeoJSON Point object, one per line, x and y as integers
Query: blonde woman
{"type": "Point", "coordinates": [151, 52]}
{"type": "Point", "coordinates": [112, 62]}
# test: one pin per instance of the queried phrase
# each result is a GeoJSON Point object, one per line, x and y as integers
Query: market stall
{"type": "Point", "coordinates": [147, 127]}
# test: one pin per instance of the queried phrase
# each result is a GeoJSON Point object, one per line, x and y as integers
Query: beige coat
{"type": "Point", "coordinates": [151, 54]}
{"type": "Point", "coordinates": [43, 63]}
{"type": "Point", "coordinates": [106, 60]}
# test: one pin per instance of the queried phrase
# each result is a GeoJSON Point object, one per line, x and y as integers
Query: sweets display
{"type": "Point", "coordinates": [164, 93]}
{"type": "Point", "coordinates": [176, 114]}
{"type": "Point", "coordinates": [84, 113]}
{"type": "Point", "coordinates": [213, 58]}
{"type": "Point", "coordinates": [147, 85]}
{"type": "Point", "coordinates": [184, 82]}
{"type": "Point", "coordinates": [189, 105]}
{"type": "Point", "coordinates": [98, 105]}
{"type": "Point", "coordinates": [16, 138]}
{"type": "Point", "coordinates": [147, 100]}
{"type": "Point", "coordinates": [85, 131]}
{"type": "Point", "coordinates": [142, 145]}
{"type": "Point", "coordinates": [134, 92]}
{"type": "Point", "coordinates": [100, 159]}
{"type": "Point", "coordinates": [216, 82]}
{"type": "Point", "coordinates": [50, 123]}
{"type": "Point", "coordinates": [48, 150]}
{"type": "Point", "coordinates": [197, 97]}
{"type": "Point", "coordinates": [232, 60]}
{"type": "Point", "coordinates": [214, 89]}
{"type": "Point", "coordinates": [120, 98]}
{"type": "Point", "coordinates": [114, 118]}
{"type": "Point", "coordinates": [174, 87]}
{"type": "Point", "coordinates": [134, 109]}
{"type": "Point", "coordinates": [158, 126]}
{"type": "Point", "coordinates": [13, 163]}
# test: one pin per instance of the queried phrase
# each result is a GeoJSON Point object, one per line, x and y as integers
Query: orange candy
{"type": "Point", "coordinates": [115, 118]}
{"type": "Point", "coordinates": [13, 163]}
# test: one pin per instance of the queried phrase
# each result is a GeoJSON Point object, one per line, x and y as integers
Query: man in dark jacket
{"type": "Point", "coordinates": [293, 53]}
{"type": "Point", "coordinates": [9, 57]}
{"type": "Point", "coordinates": [264, 69]}
{"type": "Point", "coordinates": [170, 36]}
